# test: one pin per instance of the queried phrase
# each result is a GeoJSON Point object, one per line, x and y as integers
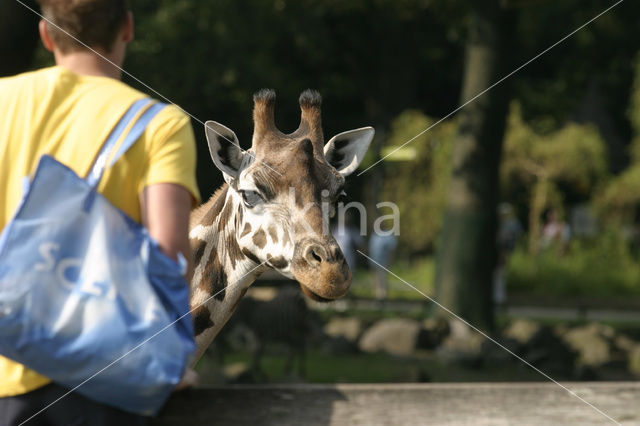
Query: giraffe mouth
{"type": "Point", "coordinates": [314, 296]}
{"type": "Point", "coordinates": [321, 270]}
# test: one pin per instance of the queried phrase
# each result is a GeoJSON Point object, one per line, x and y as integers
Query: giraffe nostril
{"type": "Point", "coordinates": [315, 254]}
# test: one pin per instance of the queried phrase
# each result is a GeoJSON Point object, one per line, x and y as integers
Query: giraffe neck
{"type": "Point", "coordinates": [222, 274]}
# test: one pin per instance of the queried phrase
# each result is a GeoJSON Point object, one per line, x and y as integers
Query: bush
{"type": "Point", "coordinates": [603, 266]}
{"type": "Point", "coordinates": [538, 169]}
{"type": "Point", "coordinates": [419, 185]}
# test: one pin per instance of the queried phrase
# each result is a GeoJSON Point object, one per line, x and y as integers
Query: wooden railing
{"type": "Point", "coordinates": [407, 404]}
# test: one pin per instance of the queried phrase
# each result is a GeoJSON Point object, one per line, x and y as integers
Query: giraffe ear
{"type": "Point", "coordinates": [224, 149]}
{"type": "Point", "coordinates": [346, 150]}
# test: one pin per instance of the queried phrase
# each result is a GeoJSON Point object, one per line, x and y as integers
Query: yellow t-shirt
{"type": "Point", "coordinates": [57, 112]}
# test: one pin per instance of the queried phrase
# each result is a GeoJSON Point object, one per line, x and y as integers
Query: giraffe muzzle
{"type": "Point", "coordinates": [321, 269]}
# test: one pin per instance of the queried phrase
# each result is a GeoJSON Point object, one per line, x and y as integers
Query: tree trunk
{"type": "Point", "coordinates": [539, 199]}
{"type": "Point", "coordinates": [467, 252]}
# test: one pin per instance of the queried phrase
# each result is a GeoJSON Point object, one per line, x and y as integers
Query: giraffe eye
{"type": "Point", "coordinates": [251, 198]}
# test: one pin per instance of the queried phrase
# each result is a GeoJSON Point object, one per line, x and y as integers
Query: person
{"type": "Point", "coordinates": [509, 231]}
{"type": "Point", "coordinates": [554, 231]}
{"type": "Point", "coordinates": [67, 111]}
{"type": "Point", "coordinates": [348, 238]}
{"type": "Point", "coordinates": [381, 247]}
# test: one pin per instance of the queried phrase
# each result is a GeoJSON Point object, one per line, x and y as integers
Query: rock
{"type": "Point", "coordinates": [605, 331]}
{"type": "Point", "coordinates": [540, 346]}
{"type": "Point", "coordinates": [339, 346]}
{"type": "Point", "coordinates": [522, 330]}
{"type": "Point", "coordinates": [432, 333]}
{"type": "Point", "coordinates": [437, 325]}
{"type": "Point", "coordinates": [347, 327]}
{"type": "Point", "coordinates": [237, 372]}
{"type": "Point", "coordinates": [459, 329]}
{"type": "Point", "coordinates": [624, 343]}
{"type": "Point", "coordinates": [494, 354]}
{"type": "Point", "coordinates": [397, 336]}
{"type": "Point", "coordinates": [463, 344]}
{"type": "Point", "coordinates": [262, 293]}
{"type": "Point", "coordinates": [592, 344]}
{"type": "Point", "coordinates": [634, 359]}
{"type": "Point", "coordinates": [587, 373]}
{"type": "Point", "coordinates": [548, 352]}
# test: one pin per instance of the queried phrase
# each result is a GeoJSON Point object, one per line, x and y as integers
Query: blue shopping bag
{"type": "Point", "coordinates": [86, 296]}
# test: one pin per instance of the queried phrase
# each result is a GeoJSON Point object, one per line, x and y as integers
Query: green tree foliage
{"type": "Point", "coordinates": [548, 166]}
{"type": "Point", "coordinates": [374, 59]}
{"type": "Point", "coordinates": [634, 111]}
{"type": "Point", "coordinates": [538, 170]}
{"type": "Point", "coordinates": [620, 199]}
{"type": "Point", "coordinates": [602, 266]}
{"type": "Point", "coordinates": [418, 184]}
{"type": "Point", "coordinates": [554, 86]}
{"type": "Point", "coordinates": [366, 57]}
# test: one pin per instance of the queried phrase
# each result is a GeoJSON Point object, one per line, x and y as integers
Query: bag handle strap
{"type": "Point", "coordinates": [97, 170]}
{"type": "Point", "coordinates": [98, 165]}
{"type": "Point", "coordinates": [137, 130]}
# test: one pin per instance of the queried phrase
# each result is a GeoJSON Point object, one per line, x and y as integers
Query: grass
{"type": "Point", "coordinates": [601, 268]}
{"type": "Point", "coordinates": [419, 273]}
{"type": "Point", "coordinates": [377, 368]}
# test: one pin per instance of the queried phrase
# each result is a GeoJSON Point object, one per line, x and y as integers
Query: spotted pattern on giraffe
{"type": "Point", "coordinates": [225, 216]}
{"type": "Point", "coordinates": [239, 216]}
{"type": "Point", "coordinates": [198, 247]}
{"type": "Point", "coordinates": [273, 233]}
{"type": "Point", "coordinates": [260, 238]}
{"type": "Point", "coordinates": [246, 230]}
{"type": "Point", "coordinates": [242, 242]}
{"type": "Point", "coordinates": [242, 293]}
{"type": "Point", "coordinates": [250, 255]}
{"type": "Point", "coordinates": [201, 320]}
{"type": "Point", "coordinates": [278, 262]}
{"type": "Point", "coordinates": [209, 216]}
{"type": "Point", "coordinates": [214, 278]}
{"type": "Point", "coordinates": [233, 251]}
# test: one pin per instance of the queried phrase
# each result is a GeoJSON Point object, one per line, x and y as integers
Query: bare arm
{"type": "Point", "coordinates": [165, 211]}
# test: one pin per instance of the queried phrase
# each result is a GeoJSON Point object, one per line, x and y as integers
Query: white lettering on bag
{"type": "Point", "coordinates": [46, 251]}
{"type": "Point", "coordinates": [66, 268]}
{"type": "Point", "coordinates": [67, 272]}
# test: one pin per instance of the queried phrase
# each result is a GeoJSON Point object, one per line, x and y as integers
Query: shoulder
{"type": "Point", "coordinates": [170, 116]}
{"type": "Point", "coordinates": [171, 124]}
{"type": "Point", "coordinates": [171, 150]}
{"type": "Point", "coordinates": [170, 120]}
{"type": "Point", "coordinates": [27, 79]}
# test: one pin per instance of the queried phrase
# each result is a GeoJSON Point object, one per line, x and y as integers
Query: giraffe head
{"type": "Point", "coordinates": [280, 188]}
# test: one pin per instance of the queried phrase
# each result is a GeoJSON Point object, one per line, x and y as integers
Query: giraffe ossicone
{"type": "Point", "coordinates": [269, 212]}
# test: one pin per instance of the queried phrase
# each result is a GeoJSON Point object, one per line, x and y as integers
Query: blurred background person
{"type": "Point", "coordinates": [554, 231]}
{"type": "Point", "coordinates": [381, 248]}
{"type": "Point", "coordinates": [509, 231]}
{"type": "Point", "coordinates": [348, 237]}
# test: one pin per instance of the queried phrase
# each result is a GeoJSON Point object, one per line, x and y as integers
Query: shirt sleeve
{"type": "Point", "coordinates": [172, 152]}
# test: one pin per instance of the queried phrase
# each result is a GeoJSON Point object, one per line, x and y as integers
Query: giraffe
{"type": "Point", "coordinates": [269, 213]}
